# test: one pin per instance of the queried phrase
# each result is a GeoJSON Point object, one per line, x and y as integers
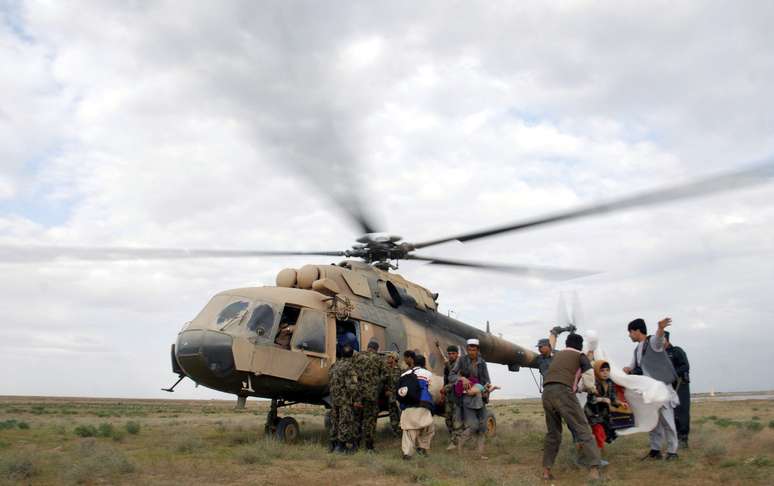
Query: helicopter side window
{"type": "Point", "coordinates": [310, 333]}
{"type": "Point", "coordinates": [262, 320]}
{"type": "Point", "coordinates": [233, 312]}
{"type": "Point", "coordinates": [287, 326]}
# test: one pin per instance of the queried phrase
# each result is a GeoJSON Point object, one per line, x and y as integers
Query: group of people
{"type": "Point", "coordinates": [358, 379]}
{"type": "Point", "coordinates": [569, 371]}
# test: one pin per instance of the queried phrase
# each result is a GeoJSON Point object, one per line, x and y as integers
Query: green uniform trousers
{"type": "Point", "coordinates": [370, 413]}
{"type": "Point", "coordinates": [343, 422]}
{"type": "Point", "coordinates": [560, 403]}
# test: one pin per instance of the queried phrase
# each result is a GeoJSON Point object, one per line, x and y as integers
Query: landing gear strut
{"type": "Point", "coordinates": [285, 429]}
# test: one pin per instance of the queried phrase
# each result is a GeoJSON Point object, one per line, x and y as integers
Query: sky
{"type": "Point", "coordinates": [249, 125]}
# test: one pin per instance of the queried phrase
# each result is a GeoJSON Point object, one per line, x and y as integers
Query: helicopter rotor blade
{"type": "Point", "coordinates": [577, 315]}
{"type": "Point", "coordinates": [755, 175]}
{"type": "Point", "coordinates": [544, 273]}
{"type": "Point", "coordinates": [18, 253]}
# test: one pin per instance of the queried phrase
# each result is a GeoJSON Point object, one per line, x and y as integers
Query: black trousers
{"type": "Point", "coordinates": [683, 411]}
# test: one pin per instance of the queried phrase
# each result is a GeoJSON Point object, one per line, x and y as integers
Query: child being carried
{"type": "Point", "coordinates": [476, 388]}
{"type": "Point", "coordinates": [598, 405]}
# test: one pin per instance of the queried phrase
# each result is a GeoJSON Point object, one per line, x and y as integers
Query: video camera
{"type": "Point", "coordinates": [557, 330]}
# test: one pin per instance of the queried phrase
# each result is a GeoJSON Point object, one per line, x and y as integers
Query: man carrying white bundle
{"type": "Point", "coordinates": [650, 359]}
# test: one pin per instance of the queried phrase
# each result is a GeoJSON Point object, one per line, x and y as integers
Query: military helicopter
{"type": "Point", "coordinates": [234, 344]}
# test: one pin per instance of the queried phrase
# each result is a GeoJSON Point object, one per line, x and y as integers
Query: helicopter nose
{"type": "Point", "coordinates": [205, 356]}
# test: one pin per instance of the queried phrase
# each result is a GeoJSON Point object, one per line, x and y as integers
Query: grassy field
{"type": "Point", "coordinates": [102, 441]}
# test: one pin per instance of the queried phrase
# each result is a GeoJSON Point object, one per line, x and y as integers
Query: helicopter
{"type": "Point", "coordinates": [234, 344]}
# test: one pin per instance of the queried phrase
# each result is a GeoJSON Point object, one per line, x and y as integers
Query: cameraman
{"type": "Point", "coordinates": [546, 348]}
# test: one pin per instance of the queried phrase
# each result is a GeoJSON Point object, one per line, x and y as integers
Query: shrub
{"type": "Point", "coordinates": [771, 424]}
{"type": "Point", "coordinates": [98, 464]}
{"type": "Point", "coordinates": [17, 467]}
{"type": "Point", "coordinates": [724, 422]}
{"type": "Point", "coordinates": [133, 427]}
{"type": "Point", "coordinates": [715, 453]}
{"type": "Point", "coordinates": [729, 463]}
{"type": "Point", "coordinates": [252, 456]}
{"type": "Point", "coordinates": [753, 426]}
{"type": "Point", "coordinates": [186, 445]}
{"type": "Point", "coordinates": [85, 431]}
{"type": "Point", "coordinates": [105, 430]}
{"type": "Point", "coordinates": [759, 461]}
{"type": "Point", "coordinates": [118, 435]}
{"type": "Point", "coordinates": [8, 424]}
{"type": "Point", "coordinates": [23, 425]}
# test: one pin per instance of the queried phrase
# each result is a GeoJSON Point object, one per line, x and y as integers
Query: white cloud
{"type": "Point", "coordinates": [150, 127]}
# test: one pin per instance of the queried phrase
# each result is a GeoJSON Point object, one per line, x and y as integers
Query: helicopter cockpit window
{"type": "Point", "coordinates": [261, 320]}
{"type": "Point", "coordinates": [287, 326]}
{"type": "Point", "coordinates": [310, 332]}
{"type": "Point", "coordinates": [232, 313]}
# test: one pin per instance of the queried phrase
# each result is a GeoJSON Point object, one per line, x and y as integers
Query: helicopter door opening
{"type": "Point", "coordinates": [345, 326]}
{"type": "Point", "coordinates": [287, 326]}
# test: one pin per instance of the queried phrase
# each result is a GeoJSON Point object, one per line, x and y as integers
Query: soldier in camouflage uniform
{"type": "Point", "coordinates": [372, 371]}
{"type": "Point", "coordinates": [391, 384]}
{"type": "Point", "coordinates": [345, 398]}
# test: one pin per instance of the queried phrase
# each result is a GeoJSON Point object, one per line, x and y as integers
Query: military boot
{"type": "Point", "coordinates": [340, 448]}
{"type": "Point", "coordinates": [332, 446]}
{"type": "Point", "coordinates": [350, 449]}
{"type": "Point", "coordinates": [369, 445]}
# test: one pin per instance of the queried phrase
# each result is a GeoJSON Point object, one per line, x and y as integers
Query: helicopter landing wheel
{"type": "Point", "coordinates": [288, 430]}
{"type": "Point", "coordinates": [272, 420]}
{"type": "Point", "coordinates": [271, 427]}
{"type": "Point", "coordinates": [491, 424]}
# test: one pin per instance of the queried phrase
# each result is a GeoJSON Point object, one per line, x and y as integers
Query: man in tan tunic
{"type": "Point", "coordinates": [560, 403]}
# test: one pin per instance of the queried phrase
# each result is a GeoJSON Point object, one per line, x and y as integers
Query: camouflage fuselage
{"type": "Point", "coordinates": [230, 345]}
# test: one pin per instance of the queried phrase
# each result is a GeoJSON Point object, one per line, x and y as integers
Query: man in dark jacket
{"type": "Point", "coordinates": [683, 389]}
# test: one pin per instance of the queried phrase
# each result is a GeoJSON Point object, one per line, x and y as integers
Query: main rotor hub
{"type": "Point", "coordinates": [379, 249]}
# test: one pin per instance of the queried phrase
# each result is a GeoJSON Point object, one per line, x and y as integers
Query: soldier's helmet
{"type": "Point", "coordinates": [348, 339]}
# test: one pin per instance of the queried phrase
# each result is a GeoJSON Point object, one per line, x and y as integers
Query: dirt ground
{"type": "Point", "coordinates": [120, 441]}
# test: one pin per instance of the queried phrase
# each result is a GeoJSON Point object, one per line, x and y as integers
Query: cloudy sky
{"type": "Point", "coordinates": [238, 124]}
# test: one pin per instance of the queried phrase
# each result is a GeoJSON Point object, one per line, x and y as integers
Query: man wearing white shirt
{"type": "Point", "coordinates": [650, 359]}
{"type": "Point", "coordinates": [417, 420]}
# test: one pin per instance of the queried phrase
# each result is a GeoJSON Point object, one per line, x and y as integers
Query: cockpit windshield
{"type": "Point", "coordinates": [232, 313]}
{"type": "Point", "coordinates": [261, 320]}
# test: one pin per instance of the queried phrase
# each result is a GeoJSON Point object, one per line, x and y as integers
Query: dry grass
{"type": "Point", "coordinates": [174, 442]}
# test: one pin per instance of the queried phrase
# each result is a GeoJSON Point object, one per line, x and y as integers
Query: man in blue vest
{"type": "Point", "coordinates": [650, 359]}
